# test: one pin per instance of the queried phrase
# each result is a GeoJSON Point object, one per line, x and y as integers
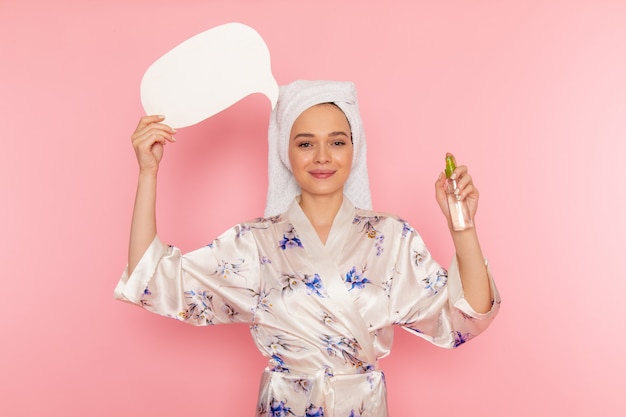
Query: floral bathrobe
{"type": "Point", "coordinates": [321, 314]}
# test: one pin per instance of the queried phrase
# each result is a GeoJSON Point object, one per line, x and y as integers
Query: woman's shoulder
{"type": "Point", "coordinates": [385, 222]}
{"type": "Point", "coordinates": [262, 222]}
{"type": "Point", "coordinates": [381, 215]}
{"type": "Point", "coordinates": [246, 230]}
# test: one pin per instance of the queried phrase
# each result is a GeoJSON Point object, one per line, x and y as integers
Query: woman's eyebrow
{"type": "Point", "coordinates": [311, 135]}
{"type": "Point", "coordinates": [304, 135]}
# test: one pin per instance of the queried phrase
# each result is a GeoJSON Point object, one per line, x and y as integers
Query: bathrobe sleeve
{"type": "Point", "coordinates": [216, 284]}
{"type": "Point", "coordinates": [429, 301]}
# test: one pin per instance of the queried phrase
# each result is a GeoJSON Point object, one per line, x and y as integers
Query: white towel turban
{"type": "Point", "coordinates": [293, 99]}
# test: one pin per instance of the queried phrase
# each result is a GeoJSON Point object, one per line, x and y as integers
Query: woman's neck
{"type": "Point", "coordinates": [321, 212]}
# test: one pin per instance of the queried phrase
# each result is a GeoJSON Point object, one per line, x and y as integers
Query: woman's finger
{"type": "Point", "coordinates": [459, 172]}
{"type": "Point", "coordinates": [150, 124]}
{"type": "Point", "coordinates": [148, 119]}
{"type": "Point", "coordinates": [463, 181]}
{"type": "Point", "coordinates": [152, 129]}
{"type": "Point", "coordinates": [147, 142]}
{"type": "Point", "coordinates": [152, 135]}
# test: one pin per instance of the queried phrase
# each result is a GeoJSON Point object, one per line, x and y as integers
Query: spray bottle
{"type": "Point", "coordinates": [459, 212]}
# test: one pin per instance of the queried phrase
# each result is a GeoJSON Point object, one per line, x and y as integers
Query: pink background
{"type": "Point", "coordinates": [530, 94]}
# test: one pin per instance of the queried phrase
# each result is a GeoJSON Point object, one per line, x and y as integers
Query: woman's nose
{"type": "Point", "coordinates": [322, 155]}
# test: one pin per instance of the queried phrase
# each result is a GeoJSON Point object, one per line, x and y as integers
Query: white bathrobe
{"type": "Point", "coordinates": [321, 314]}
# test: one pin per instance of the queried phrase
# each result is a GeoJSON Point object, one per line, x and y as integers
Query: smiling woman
{"type": "Point", "coordinates": [322, 282]}
{"type": "Point", "coordinates": [531, 92]}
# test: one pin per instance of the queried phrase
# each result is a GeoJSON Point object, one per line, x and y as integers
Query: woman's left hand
{"type": "Point", "coordinates": [467, 191]}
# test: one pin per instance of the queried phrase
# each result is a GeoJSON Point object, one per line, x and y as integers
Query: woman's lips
{"type": "Point", "coordinates": [321, 174]}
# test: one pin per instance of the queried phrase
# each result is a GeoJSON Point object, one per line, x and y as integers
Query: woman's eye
{"type": "Point", "coordinates": [339, 143]}
{"type": "Point", "coordinates": [304, 144]}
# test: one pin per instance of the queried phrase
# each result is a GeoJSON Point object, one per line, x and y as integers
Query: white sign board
{"type": "Point", "coordinates": [208, 73]}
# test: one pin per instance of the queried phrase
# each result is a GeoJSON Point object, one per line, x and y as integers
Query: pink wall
{"type": "Point", "coordinates": [531, 95]}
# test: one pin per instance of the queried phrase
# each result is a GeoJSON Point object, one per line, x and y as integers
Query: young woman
{"type": "Point", "coordinates": [321, 279]}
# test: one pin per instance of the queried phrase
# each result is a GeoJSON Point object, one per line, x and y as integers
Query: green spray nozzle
{"type": "Point", "coordinates": [450, 165]}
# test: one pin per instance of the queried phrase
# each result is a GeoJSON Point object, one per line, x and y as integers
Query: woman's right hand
{"type": "Point", "coordinates": [148, 141]}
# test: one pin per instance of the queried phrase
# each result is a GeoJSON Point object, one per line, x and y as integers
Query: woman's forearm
{"type": "Point", "coordinates": [143, 227]}
{"type": "Point", "coordinates": [473, 270]}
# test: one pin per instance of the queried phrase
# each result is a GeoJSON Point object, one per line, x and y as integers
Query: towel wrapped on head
{"type": "Point", "coordinates": [293, 99]}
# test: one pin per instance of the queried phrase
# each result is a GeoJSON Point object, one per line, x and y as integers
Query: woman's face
{"type": "Point", "coordinates": [320, 150]}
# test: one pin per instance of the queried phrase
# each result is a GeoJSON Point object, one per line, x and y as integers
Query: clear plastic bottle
{"type": "Point", "coordinates": [459, 212]}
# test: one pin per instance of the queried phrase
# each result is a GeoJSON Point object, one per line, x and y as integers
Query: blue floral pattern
{"type": "Point", "coordinates": [313, 284]}
{"type": "Point", "coordinates": [226, 269]}
{"type": "Point", "coordinates": [339, 345]}
{"type": "Point", "coordinates": [199, 307]}
{"type": "Point", "coordinates": [419, 257]}
{"type": "Point", "coordinates": [314, 411]}
{"type": "Point", "coordinates": [406, 229]}
{"type": "Point", "coordinates": [360, 412]}
{"type": "Point", "coordinates": [379, 240]}
{"type": "Point", "coordinates": [356, 279]}
{"type": "Point", "coordinates": [280, 409]}
{"type": "Point", "coordinates": [460, 338]}
{"type": "Point", "coordinates": [436, 281]}
{"type": "Point", "coordinates": [144, 300]}
{"type": "Point", "coordinates": [290, 239]}
{"type": "Point", "coordinates": [368, 224]}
